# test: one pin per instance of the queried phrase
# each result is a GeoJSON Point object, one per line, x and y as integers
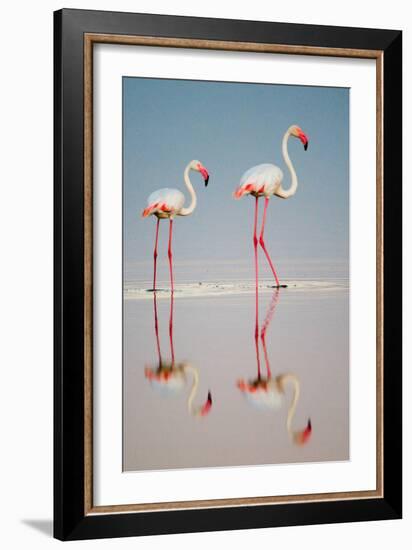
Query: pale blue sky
{"type": "Point", "coordinates": [230, 127]}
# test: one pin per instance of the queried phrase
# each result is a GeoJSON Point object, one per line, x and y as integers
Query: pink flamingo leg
{"type": "Point", "coordinates": [255, 242]}
{"type": "Point", "coordinates": [268, 371]}
{"type": "Point", "coordinates": [257, 345]}
{"type": "Point", "coordinates": [170, 254]}
{"type": "Point", "coordinates": [155, 254]}
{"type": "Point", "coordinates": [266, 323]}
{"type": "Point", "coordinates": [172, 349]}
{"type": "Point", "coordinates": [262, 242]}
{"type": "Point", "coordinates": [157, 328]}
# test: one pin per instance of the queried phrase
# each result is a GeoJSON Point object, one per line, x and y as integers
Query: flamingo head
{"type": "Point", "coordinates": [302, 437]}
{"type": "Point", "coordinates": [198, 167]}
{"type": "Point", "coordinates": [207, 406]}
{"type": "Point", "coordinates": [297, 132]}
{"type": "Point", "coordinates": [204, 409]}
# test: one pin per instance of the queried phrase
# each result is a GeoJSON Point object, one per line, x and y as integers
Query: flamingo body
{"type": "Point", "coordinates": [164, 203]}
{"type": "Point", "coordinates": [263, 395]}
{"type": "Point", "coordinates": [262, 180]}
{"type": "Point", "coordinates": [172, 387]}
{"type": "Point", "coordinates": [167, 380]}
{"type": "Point", "coordinates": [170, 381]}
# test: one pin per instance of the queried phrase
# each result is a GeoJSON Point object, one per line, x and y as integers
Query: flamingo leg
{"type": "Point", "coordinates": [257, 345]}
{"type": "Point", "coordinates": [172, 349]}
{"type": "Point", "coordinates": [266, 323]}
{"type": "Point", "coordinates": [265, 352]}
{"type": "Point", "coordinates": [255, 243]}
{"type": "Point", "coordinates": [155, 255]}
{"type": "Point", "coordinates": [157, 328]}
{"type": "Point", "coordinates": [262, 242]}
{"type": "Point", "coordinates": [170, 254]}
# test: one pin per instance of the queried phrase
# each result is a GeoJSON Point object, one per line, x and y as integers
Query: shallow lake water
{"type": "Point", "coordinates": [211, 337]}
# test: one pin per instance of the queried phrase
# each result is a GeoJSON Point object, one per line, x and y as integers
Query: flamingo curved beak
{"type": "Point", "coordinates": [304, 139]}
{"type": "Point", "coordinates": [205, 174]}
{"type": "Point", "coordinates": [302, 437]}
{"type": "Point", "coordinates": [206, 408]}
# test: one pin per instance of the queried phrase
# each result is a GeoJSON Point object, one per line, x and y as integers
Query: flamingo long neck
{"type": "Point", "coordinates": [282, 381]}
{"type": "Point", "coordinates": [286, 193]}
{"type": "Point", "coordinates": [188, 183]}
{"type": "Point", "coordinates": [193, 391]}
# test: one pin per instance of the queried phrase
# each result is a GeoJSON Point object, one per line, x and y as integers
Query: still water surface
{"type": "Point", "coordinates": [210, 341]}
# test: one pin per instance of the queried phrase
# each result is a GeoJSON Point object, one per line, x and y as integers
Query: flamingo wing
{"type": "Point", "coordinates": [164, 200]}
{"type": "Point", "coordinates": [262, 179]}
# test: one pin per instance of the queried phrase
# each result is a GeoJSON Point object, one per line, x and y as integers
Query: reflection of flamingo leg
{"type": "Point", "coordinates": [172, 349]}
{"type": "Point", "coordinates": [157, 327]}
{"type": "Point", "coordinates": [155, 254]}
{"type": "Point", "coordinates": [262, 242]}
{"type": "Point", "coordinates": [170, 254]}
{"type": "Point", "coordinates": [265, 351]}
{"type": "Point", "coordinates": [257, 348]}
{"type": "Point", "coordinates": [266, 323]}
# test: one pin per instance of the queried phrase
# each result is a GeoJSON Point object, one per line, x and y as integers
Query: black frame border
{"type": "Point", "coordinates": [70, 521]}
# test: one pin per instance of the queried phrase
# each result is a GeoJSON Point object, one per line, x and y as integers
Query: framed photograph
{"type": "Point", "coordinates": [228, 214]}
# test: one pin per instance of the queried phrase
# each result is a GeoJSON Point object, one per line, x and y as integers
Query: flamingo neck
{"type": "Point", "coordinates": [282, 381]}
{"type": "Point", "coordinates": [193, 391]}
{"type": "Point", "coordinates": [188, 183]}
{"type": "Point", "coordinates": [286, 193]}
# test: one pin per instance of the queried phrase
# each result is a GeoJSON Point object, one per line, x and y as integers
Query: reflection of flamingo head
{"type": "Point", "coordinates": [261, 392]}
{"type": "Point", "coordinates": [302, 437]}
{"type": "Point", "coordinates": [205, 409]}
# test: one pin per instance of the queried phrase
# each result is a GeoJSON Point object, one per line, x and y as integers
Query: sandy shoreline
{"type": "Point", "coordinates": [134, 291]}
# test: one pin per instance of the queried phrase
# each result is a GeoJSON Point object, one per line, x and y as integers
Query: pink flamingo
{"type": "Point", "coordinates": [265, 180]}
{"type": "Point", "coordinates": [269, 392]}
{"type": "Point", "coordinates": [170, 377]}
{"type": "Point", "coordinates": [166, 204]}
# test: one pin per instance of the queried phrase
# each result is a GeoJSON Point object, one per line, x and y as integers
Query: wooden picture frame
{"type": "Point", "coordinates": [76, 33]}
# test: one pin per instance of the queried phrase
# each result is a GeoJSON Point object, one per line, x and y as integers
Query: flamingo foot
{"type": "Point", "coordinates": [157, 290]}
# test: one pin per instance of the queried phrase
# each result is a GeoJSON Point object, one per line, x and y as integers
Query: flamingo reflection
{"type": "Point", "coordinates": [170, 377]}
{"type": "Point", "coordinates": [268, 392]}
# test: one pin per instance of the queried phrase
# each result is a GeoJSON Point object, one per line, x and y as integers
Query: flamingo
{"type": "Point", "coordinates": [270, 392]}
{"type": "Point", "coordinates": [265, 180]}
{"type": "Point", "coordinates": [166, 204]}
{"type": "Point", "coordinates": [169, 377]}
